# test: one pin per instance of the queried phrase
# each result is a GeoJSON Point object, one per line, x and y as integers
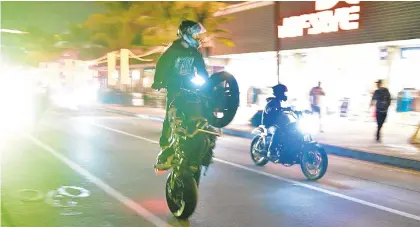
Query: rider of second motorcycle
{"type": "Point", "coordinates": [176, 65]}
{"type": "Point", "coordinates": [273, 115]}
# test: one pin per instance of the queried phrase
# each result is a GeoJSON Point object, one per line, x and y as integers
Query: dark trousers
{"type": "Point", "coordinates": [275, 140]}
{"type": "Point", "coordinates": [166, 131]}
{"type": "Point", "coordinates": [316, 109]}
{"type": "Point", "coordinates": [380, 119]}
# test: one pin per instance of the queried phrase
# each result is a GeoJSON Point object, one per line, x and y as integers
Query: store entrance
{"type": "Point", "coordinates": [345, 74]}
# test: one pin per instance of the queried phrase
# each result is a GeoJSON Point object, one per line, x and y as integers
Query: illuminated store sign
{"type": "Point", "coordinates": [325, 21]}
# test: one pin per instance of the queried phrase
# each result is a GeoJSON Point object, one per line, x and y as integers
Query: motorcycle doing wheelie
{"type": "Point", "coordinates": [296, 146]}
{"type": "Point", "coordinates": [194, 116]}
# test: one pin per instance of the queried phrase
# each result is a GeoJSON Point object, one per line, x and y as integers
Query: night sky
{"type": "Point", "coordinates": [49, 16]}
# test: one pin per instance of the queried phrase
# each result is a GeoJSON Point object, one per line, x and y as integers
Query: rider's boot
{"type": "Point", "coordinates": [164, 159]}
{"type": "Point", "coordinates": [272, 153]}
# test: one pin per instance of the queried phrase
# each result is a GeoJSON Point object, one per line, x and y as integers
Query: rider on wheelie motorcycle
{"type": "Point", "coordinates": [273, 115]}
{"type": "Point", "coordinates": [174, 67]}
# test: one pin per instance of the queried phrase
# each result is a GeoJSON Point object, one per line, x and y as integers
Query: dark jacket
{"type": "Point", "coordinates": [383, 100]}
{"type": "Point", "coordinates": [177, 64]}
{"type": "Point", "coordinates": [273, 113]}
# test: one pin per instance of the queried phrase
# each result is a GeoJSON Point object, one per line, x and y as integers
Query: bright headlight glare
{"type": "Point", "coordinates": [198, 80]}
{"type": "Point", "coordinates": [308, 125]}
{"type": "Point", "coordinates": [19, 114]}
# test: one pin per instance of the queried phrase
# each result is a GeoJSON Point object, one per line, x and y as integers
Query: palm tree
{"type": "Point", "coordinates": [203, 12]}
{"type": "Point", "coordinates": [164, 21]}
{"type": "Point", "coordinates": [78, 38]}
{"type": "Point", "coordinates": [168, 15]}
{"type": "Point", "coordinates": [141, 25]}
{"type": "Point", "coordinates": [120, 27]}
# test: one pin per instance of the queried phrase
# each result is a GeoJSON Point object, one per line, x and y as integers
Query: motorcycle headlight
{"type": "Point", "coordinates": [198, 80]}
{"type": "Point", "coordinates": [308, 125]}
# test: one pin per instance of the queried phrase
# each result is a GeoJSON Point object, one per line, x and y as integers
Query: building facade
{"type": "Point", "coordinates": [346, 45]}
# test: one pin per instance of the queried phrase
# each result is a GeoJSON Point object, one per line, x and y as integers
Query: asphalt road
{"type": "Point", "coordinates": [104, 162]}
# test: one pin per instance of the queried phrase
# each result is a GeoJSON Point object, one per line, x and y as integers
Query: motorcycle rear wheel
{"type": "Point", "coordinates": [182, 206]}
{"type": "Point", "coordinates": [225, 99]}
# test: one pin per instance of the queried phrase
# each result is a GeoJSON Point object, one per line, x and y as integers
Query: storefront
{"type": "Point", "coordinates": [346, 45]}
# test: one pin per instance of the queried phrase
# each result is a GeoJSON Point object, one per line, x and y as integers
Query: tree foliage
{"type": "Point", "coordinates": [168, 15]}
{"type": "Point", "coordinates": [131, 25]}
{"type": "Point", "coordinates": [144, 25]}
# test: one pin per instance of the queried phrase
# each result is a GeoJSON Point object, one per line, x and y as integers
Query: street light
{"type": "Point", "coordinates": [12, 31]}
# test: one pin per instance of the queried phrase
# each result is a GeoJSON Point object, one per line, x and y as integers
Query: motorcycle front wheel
{"type": "Point", "coordinates": [314, 163]}
{"type": "Point", "coordinates": [258, 158]}
{"type": "Point", "coordinates": [181, 195]}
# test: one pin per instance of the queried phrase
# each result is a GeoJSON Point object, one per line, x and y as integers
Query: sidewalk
{"type": "Point", "coordinates": [342, 137]}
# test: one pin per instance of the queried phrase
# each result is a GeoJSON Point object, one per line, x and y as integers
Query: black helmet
{"type": "Point", "coordinates": [189, 30]}
{"type": "Point", "coordinates": [280, 91]}
{"type": "Point", "coordinates": [279, 88]}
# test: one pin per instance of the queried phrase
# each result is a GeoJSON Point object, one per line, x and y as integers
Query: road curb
{"type": "Point", "coordinates": [331, 149]}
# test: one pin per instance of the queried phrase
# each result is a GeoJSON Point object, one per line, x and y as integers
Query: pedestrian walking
{"type": "Point", "coordinates": [382, 100]}
{"type": "Point", "coordinates": [415, 139]}
{"type": "Point", "coordinates": [316, 102]}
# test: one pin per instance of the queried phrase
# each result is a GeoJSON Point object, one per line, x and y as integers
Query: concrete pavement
{"type": "Point", "coordinates": [342, 137]}
{"type": "Point", "coordinates": [120, 152]}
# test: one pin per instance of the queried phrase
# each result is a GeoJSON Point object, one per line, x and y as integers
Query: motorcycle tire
{"type": "Point", "coordinates": [197, 177]}
{"type": "Point", "coordinates": [230, 99]}
{"type": "Point", "coordinates": [190, 197]}
{"type": "Point", "coordinates": [323, 165]}
{"type": "Point", "coordinates": [261, 162]}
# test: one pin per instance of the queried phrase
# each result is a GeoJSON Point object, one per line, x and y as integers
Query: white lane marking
{"type": "Point", "coordinates": [102, 117]}
{"type": "Point", "coordinates": [102, 185]}
{"type": "Point", "coordinates": [402, 213]}
{"type": "Point", "coordinates": [233, 138]}
{"type": "Point", "coordinates": [122, 132]}
{"type": "Point", "coordinates": [363, 202]}
{"type": "Point", "coordinates": [389, 168]}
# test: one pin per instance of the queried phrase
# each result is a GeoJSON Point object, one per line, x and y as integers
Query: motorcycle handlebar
{"type": "Point", "coordinates": [297, 112]}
